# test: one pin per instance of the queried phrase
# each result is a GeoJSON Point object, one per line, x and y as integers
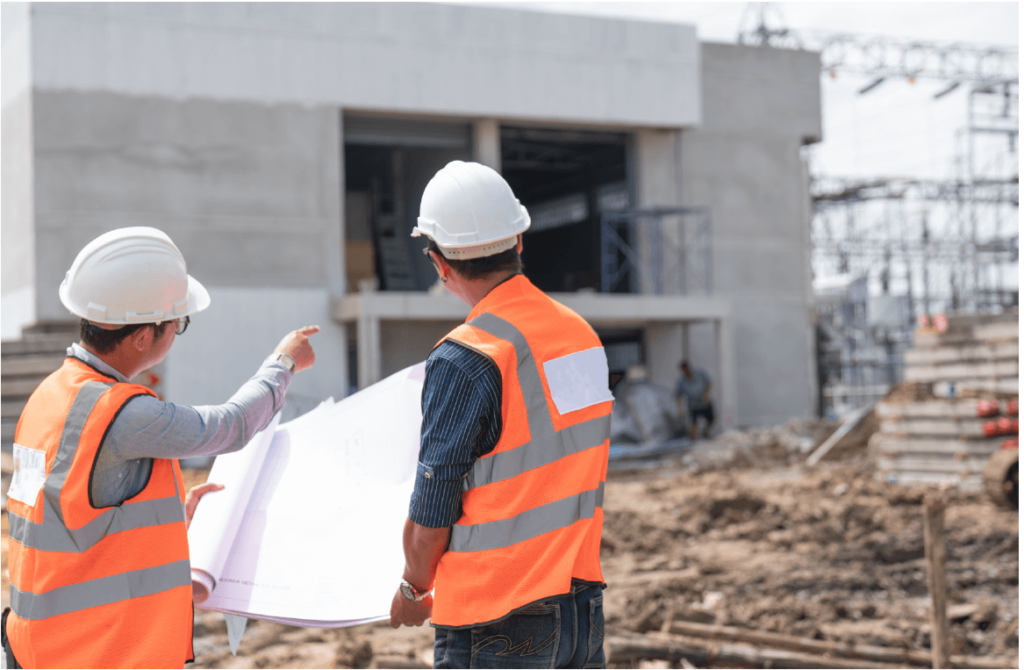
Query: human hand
{"type": "Point", "coordinates": [296, 344]}
{"type": "Point", "coordinates": [405, 612]}
{"type": "Point", "coordinates": [193, 496]}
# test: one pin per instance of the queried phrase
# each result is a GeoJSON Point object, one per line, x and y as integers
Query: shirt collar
{"type": "Point", "coordinates": [78, 351]}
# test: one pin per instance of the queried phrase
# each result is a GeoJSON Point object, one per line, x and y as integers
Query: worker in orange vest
{"type": "Point", "coordinates": [99, 560]}
{"type": "Point", "coordinates": [502, 543]}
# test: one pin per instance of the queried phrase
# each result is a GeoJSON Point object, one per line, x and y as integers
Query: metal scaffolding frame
{"type": "Point", "coordinates": [661, 250]}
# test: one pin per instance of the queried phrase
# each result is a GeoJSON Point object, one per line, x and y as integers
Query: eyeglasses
{"type": "Point", "coordinates": [180, 325]}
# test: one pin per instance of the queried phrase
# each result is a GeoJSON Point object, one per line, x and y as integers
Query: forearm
{"type": "Point", "coordinates": [423, 550]}
{"type": "Point", "coordinates": [151, 428]}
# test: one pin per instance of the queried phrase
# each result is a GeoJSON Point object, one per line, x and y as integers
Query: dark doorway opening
{"type": "Point", "coordinates": [565, 178]}
{"type": "Point", "coordinates": [388, 163]}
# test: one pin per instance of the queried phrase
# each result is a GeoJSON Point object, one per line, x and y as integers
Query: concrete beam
{"type": "Point", "coordinates": [487, 143]}
{"type": "Point", "coordinates": [600, 310]}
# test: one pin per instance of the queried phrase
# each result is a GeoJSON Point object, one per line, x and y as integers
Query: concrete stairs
{"type": "Point", "coordinates": [24, 364]}
{"type": "Point", "coordinates": [939, 436]}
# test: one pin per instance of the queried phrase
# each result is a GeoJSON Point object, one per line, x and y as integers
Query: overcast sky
{"type": "Point", "coordinates": [897, 129]}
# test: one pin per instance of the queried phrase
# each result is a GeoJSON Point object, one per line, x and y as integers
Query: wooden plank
{"type": "Point", "coordinates": [963, 482]}
{"type": "Point", "coordinates": [6, 463]}
{"type": "Point", "coordinates": [935, 427]}
{"type": "Point", "coordinates": [39, 343]}
{"type": "Point", "coordinates": [934, 508]}
{"type": "Point", "coordinates": [997, 331]}
{"type": "Point", "coordinates": [887, 444]}
{"type": "Point", "coordinates": [959, 371]}
{"type": "Point", "coordinates": [19, 387]}
{"type": "Point", "coordinates": [34, 364]}
{"type": "Point", "coordinates": [917, 463]}
{"type": "Point", "coordinates": [942, 408]}
{"type": "Point", "coordinates": [976, 352]}
{"type": "Point", "coordinates": [11, 409]}
{"type": "Point", "coordinates": [946, 389]}
{"type": "Point", "coordinates": [894, 656]}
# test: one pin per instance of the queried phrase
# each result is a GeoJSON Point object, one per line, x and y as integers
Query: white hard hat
{"type": "Point", "coordinates": [131, 275]}
{"type": "Point", "coordinates": [470, 212]}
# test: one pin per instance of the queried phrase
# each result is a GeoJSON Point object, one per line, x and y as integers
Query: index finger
{"type": "Point", "coordinates": [309, 330]}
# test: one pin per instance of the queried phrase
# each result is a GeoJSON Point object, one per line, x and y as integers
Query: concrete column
{"type": "Point", "coordinates": [726, 396]}
{"type": "Point", "coordinates": [664, 351]}
{"type": "Point", "coordinates": [368, 343]}
{"type": "Point", "coordinates": [487, 143]}
{"type": "Point", "coordinates": [657, 185]}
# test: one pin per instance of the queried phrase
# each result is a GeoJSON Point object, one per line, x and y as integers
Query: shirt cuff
{"type": "Point", "coordinates": [436, 502]}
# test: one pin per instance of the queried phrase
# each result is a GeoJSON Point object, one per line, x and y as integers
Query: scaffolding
{"type": "Point", "coordinates": [660, 251]}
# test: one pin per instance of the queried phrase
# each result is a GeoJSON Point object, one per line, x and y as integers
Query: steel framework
{"type": "Point", "coordinates": [664, 251]}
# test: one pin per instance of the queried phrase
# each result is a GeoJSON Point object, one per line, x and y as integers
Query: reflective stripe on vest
{"type": "Point", "coordinates": [545, 446]}
{"type": "Point", "coordinates": [103, 591]}
{"type": "Point", "coordinates": [53, 535]}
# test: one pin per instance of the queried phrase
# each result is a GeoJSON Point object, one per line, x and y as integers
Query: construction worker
{"type": "Point", "coordinates": [505, 519]}
{"type": "Point", "coordinates": [99, 560]}
{"type": "Point", "coordinates": [694, 386]}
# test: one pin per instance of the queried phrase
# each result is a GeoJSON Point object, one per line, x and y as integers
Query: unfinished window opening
{"type": "Point", "coordinates": [565, 178]}
{"type": "Point", "coordinates": [388, 163]}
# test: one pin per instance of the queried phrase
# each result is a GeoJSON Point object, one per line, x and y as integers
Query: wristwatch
{"type": "Point", "coordinates": [284, 359]}
{"type": "Point", "coordinates": [410, 592]}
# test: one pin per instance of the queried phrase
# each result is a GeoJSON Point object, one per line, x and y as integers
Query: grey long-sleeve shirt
{"type": "Point", "coordinates": [148, 428]}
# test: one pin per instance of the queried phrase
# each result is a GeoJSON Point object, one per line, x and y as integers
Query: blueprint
{"type": "Point", "coordinates": [308, 530]}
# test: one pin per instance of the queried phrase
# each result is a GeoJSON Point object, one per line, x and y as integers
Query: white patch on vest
{"type": "Point", "coordinates": [578, 380]}
{"type": "Point", "coordinates": [29, 474]}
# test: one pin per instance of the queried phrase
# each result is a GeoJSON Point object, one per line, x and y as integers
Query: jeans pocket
{"type": "Point", "coordinates": [595, 640]}
{"type": "Point", "coordinates": [527, 639]}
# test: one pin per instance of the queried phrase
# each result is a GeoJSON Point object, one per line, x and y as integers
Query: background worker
{"type": "Point", "coordinates": [99, 562]}
{"type": "Point", "coordinates": [505, 519]}
{"type": "Point", "coordinates": [694, 386]}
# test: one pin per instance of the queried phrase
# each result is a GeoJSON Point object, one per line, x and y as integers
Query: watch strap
{"type": "Point", "coordinates": [284, 359]}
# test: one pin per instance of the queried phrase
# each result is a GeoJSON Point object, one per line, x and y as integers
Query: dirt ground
{"type": "Point", "coordinates": [737, 533]}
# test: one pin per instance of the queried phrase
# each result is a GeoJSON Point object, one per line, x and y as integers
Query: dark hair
{"type": "Point", "coordinates": [104, 341]}
{"type": "Point", "coordinates": [506, 262]}
{"type": "Point", "coordinates": [684, 364]}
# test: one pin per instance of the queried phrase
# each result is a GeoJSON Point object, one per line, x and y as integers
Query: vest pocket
{"type": "Point", "coordinates": [527, 639]}
{"type": "Point", "coordinates": [595, 640]}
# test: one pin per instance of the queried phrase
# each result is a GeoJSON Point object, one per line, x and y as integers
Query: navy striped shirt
{"type": "Point", "coordinates": [461, 423]}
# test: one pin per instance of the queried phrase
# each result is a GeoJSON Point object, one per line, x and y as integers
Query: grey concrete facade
{"type": "Point", "coordinates": [222, 124]}
{"type": "Point", "coordinates": [743, 161]}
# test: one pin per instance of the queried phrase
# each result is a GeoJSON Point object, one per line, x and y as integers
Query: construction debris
{"type": "Point", "coordinates": [943, 424]}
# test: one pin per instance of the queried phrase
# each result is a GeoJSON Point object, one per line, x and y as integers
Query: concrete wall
{"type": "Point", "coordinates": [414, 57]}
{"type": "Point", "coordinates": [760, 107]}
{"type": "Point", "coordinates": [225, 345]}
{"type": "Point", "coordinates": [17, 284]}
{"type": "Point", "coordinates": [250, 193]}
{"type": "Point", "coordinates": [405, 343]}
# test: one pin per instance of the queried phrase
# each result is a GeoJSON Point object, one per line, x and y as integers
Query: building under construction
{"type": "Point", "coordinates": [284, 148]}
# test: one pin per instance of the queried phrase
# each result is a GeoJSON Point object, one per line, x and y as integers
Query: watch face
{"type": "Point", "coordinates": [407, 591]}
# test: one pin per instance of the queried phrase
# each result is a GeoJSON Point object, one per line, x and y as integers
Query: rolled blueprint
{"type": "Point", "coordinates": [219, 513]}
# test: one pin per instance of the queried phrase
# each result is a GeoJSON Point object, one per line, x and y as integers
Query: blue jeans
{"type": "Point", "coordinates": [560, 632]}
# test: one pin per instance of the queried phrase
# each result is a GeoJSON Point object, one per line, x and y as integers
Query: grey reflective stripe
{"type": "Point", "coordinates": [527, 525]}
{"type": "Point", "coordinates": [526, 368]}
{"type": "Point", "coordinates": [539, 452]}
{"type": "Point", "coordinates": [102, 591]}
{"type": "Point", "coordinates": [86, 399]}
{"type": "Point", "coordinates": [57, 537]}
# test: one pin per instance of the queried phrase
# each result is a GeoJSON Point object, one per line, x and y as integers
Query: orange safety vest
{"type": "Point", "coordinates": [531, 508]}
{"type": "Point", "coordinates": [92, 587]}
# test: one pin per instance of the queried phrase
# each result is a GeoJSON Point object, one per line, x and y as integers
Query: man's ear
{"type": "Point", "coordinates": [142, 338]}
